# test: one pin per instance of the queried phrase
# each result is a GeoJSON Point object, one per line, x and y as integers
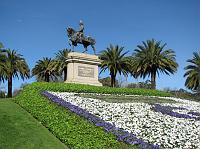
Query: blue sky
{"type": "Point", "coordinates": [36, 28]}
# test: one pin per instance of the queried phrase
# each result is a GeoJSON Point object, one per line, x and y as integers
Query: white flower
{"type": "Point", "coordinates": [146, 124]}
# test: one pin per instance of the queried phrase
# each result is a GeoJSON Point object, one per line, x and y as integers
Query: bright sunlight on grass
{"type": "Point", "coordinates": [19, 130]}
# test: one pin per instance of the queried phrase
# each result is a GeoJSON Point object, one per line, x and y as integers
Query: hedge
{"type": "Point", "coordinates": [80, 88]}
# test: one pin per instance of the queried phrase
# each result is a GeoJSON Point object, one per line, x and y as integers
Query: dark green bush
{"type": "Point", "coordinates": [145, 85]}
{"type": "Point", "coordinates": [107, 82]}
{"type": "Point", "coordinates": [2, 94]}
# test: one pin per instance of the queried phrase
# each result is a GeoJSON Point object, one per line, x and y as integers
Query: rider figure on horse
{"type": "Point", "coordinates": [78, 37]}
{"type": "Point", "coordinates": [80, 32]}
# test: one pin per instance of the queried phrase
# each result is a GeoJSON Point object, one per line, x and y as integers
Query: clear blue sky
{"type": "Point", "coordinates": [36, 28]}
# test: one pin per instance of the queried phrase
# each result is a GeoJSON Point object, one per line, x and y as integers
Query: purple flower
{"type": "Point", "coordinates": [194, 113]}
{"type": "Point", "coordinates": [122, 135]}
{"type": "Point", "coordinates": [168, 110]}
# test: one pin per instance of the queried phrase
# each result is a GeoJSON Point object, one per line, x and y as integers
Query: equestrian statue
{"type": "Point", "coordinates": [78, 37]}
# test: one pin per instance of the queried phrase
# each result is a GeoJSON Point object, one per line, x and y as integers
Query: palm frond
{"type": "Point", "coordinates": [192, 73]}
{"type": "Point", "coordinates": [151, 58]}
{"type": "Point", "coordinates": [114, 60]}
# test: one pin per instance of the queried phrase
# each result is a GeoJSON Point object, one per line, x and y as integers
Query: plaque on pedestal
{"type": "Point", "coordinates": [82, 68]}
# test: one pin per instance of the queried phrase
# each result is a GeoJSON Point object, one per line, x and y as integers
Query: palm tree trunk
{"type": "Point", "coordinates": [153, 80]}
{"type": "Point", "coordinates": [10, 86]}
{"type": "Point", "coordinates": [47, 77]}
{"type": "Point", "coordinates": [112, 80]}
{"type": "Point", "coordinates": [65, 73]}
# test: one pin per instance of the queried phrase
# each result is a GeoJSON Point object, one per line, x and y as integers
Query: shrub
{"type": "Point", "coordinates": [2, 94]}
{"type": "Point", "coordinates": [16, 92]}
{"type": "Point", "coordinates": [146, 85]}
{"type": "Point", "coordinates": [181, 93]}
{"type": "Point", "coordinates": [107, 82]}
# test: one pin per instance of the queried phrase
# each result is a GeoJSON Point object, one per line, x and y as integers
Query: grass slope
{"type": "Point", "coordinates": [80, 88]}
{"type": "Point", "coordinates": [126, 99]}
{"type": "Point", "coordinates": [19, 130]}
{"type": "Point", "coordinates": [73, 130]}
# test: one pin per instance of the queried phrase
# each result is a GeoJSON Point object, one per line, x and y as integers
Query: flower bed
{"type": "Point", "coordinates": [122, 135]}
{"type": "Point", "coordinates": [168, 125]}
{"type": "Point", "coordinates": [70, 128]}
{"type": "Point", "coordinates": [168, 110]}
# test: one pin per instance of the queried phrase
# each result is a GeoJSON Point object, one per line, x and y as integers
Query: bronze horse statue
{"type": "Point", "coordinates": [76, 37]}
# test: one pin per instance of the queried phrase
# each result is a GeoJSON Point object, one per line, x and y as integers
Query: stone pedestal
{"type": "Point", "coordinates": [83, 68]}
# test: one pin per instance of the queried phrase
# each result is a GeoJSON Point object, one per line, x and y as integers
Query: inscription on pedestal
{"type": "Point", "coordinates": [85, 71]}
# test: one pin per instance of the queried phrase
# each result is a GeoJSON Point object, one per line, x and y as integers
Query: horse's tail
{"type": "Point", "coordinates": [92, 40]}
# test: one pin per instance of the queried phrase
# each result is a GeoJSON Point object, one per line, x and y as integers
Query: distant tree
{"type": "Point", "coordinates": [1, 45]}
{"type": "Point", "coordinates": [197, 93]}
{"type": "Point", "coordinates": [145, 85]}
{"type": "Point", "coordinates": [121, 81]}
{"type": "Point", "coordinates": [150, 58]}
{"type": "Point", "coordinates": [107, 82]}
{"type": "Point", "coordinates": [2, 94]}
{"type": "Point", "coordinates": [193, 73]}
{"type": "Point", "coordinates": [16, 92]}
{"type": "Point", "coordinates": [45, 70]}
{"type": "Point", "coordinates": [23, 85]}
{"type": "Point", "coordinates": [113, 59]}
{"type": "Point", "coordinates": [14, 65]}
{"type": "Point", "coordinates": [61, 58]}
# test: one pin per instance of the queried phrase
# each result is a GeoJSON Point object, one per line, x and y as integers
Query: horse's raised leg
{"type": "Point", "coordinates": [85, 50]}
{"type": "Point", "coordinates": [93, 49]}
{"type": "Point", "coordinates": [85, 47]}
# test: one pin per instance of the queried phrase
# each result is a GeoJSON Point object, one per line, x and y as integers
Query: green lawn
{"type": "Point", "coordinates": [19, 130]}
{"type": "Point", "coordinates": [126, 99]}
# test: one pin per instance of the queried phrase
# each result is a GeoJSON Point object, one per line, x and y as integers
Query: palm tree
{"type": "Point", "coordinates": [45, 69]}
{"type": "Point", "coordinates": [193, 72]}
{"type": "Point", "coordinates": [14, 66]}
{"type": "Point", "coordinates": [61, 58]}
{"type": "Point", "coordinates": [1, 45]}
{"type": "Point", "coordinates": [113, 59]}
{"type": "Point", "coordinates": [151, 58]}
{"type": "Point", "coordinates": [2, 58]}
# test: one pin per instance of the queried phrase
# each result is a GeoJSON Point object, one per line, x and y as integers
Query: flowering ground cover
{"type": "Point", "coordinates": [71, 129]}
{"type": "Point", "coordinates": [168, 125]}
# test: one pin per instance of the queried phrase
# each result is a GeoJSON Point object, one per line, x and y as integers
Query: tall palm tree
{"type": "Point", "coordinates": [151, 58]}
{"type": "Point", "coordinates": [61, 58]}
{"type": "Point", "coordinates": [14, 66]}
{"type": "Point", "coordinates": [193, 72]}
{"type": "Point", "coordinates": [2, 59]}
{"type": "Point", "coordinates": [45, 69]}
{"type": "Point", "coordinates": [1, 45]}
{"type": "Point", "coordinates": [113, 59]}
